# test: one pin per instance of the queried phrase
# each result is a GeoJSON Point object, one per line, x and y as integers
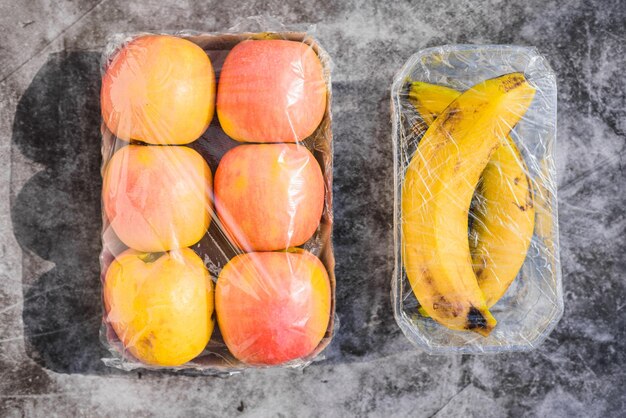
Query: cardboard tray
{"type": "Point", "coordinates": [214, 248]}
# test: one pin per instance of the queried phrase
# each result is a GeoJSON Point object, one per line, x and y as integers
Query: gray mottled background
{"type": "Point", "coordinates": [50, 211]}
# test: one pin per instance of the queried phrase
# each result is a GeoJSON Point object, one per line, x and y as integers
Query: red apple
{"type": "Point", "coordinates": [271, 91]}
{"type": "Point", "coordinates": [157, 198]}
{"type": "Point", "coordinates": [160, 90]}
{"type": "Point", "coordinates": [273, 307]}
{"type": "Point", "coordinates": [269, 196]}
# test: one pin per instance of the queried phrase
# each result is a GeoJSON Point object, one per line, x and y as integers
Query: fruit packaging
{"type": "Point", "coordinates": [477, 265]}
{"type": "Point", "coordinates": [216, 201]}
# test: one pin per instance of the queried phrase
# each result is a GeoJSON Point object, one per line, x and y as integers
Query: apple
{"type": "Point", "coordinates": [269, 196]}
{"type": "Point", "coordinates": [160, 305]}
{"type": "Point", "coordinates": [157, 198]}
{"type": "Point", "coordinates": [160, 90]}
{"type": "Point", "coordinates": [273, 307]}
{"type": "Point", "coordinates": [271, 91]}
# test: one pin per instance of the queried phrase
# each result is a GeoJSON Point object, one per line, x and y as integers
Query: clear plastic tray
{"type": "Point", "coordinates": [533, 304]}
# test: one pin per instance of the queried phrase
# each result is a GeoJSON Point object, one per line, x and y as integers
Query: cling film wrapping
{"type": "Point", "coordinates": [216, 201]}
{"type": "Point", "coordinates": [475, 226]}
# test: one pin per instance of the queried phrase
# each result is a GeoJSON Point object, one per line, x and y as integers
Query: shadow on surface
{"type": "Point", "coordinates": [362, 235]}
{"type": "Point", "coordinates": [56, 214]}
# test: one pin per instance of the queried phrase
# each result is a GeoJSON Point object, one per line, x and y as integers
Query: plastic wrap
{"type": "Point", "coordinates": [217, 201]}
{"type": "Point", "coordinates": [475, 215]}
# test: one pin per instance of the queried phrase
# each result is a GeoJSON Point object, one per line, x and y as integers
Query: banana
{"type": "Point", "coordinates": [437, 192]}
{"type": "Point", "coordinates": [504, 219]}
{"type": "Point", "coordinates": [431, 100]}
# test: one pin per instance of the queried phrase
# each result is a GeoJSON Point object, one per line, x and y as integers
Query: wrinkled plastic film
{"type": "Point", "coordinates": [516, 179]}
{"type": "Point", "coordinates": [195, 173]}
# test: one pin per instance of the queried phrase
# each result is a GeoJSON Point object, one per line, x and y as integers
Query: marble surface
{"type": "Point", "coordinates": [49, 217]}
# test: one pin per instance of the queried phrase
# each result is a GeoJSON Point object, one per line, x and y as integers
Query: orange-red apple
{"type": "Point", "coordinates": [273, 307]}
{"type": "Point", "coordinates": [271, 91]}
{"type": "Point", "coordinates": [160, 90]}
{"type": "Point", "coordinates": [157, 198]}
{"type": "Point", "coordinates": [269, 196]}
{"type": "Point", "coordinates": [160, 305]}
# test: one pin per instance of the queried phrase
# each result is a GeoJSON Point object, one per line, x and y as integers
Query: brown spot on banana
{"type": "Point", "coordinates": [480, 270]}
{"type": "Point", "coordinates": [446, 307]}
{"type": "Point", "coordinates": [427, 277]}
{"type": "Point", "coordinates": [477, 322]}
{"type": "Point", "coordinates": [418, 127]}
{"type": "Point", "coordinates": [530, 199]}
{"type": "Point", "coordinates": [512, 83]}
{"type": "Point", "coordinates": [451, 116]}
{"type": "Point", "coordinates": [441, 303]}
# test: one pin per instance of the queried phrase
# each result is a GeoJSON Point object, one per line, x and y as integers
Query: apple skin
{"type": "Point", "coordinates": [160, 305]}
{"type": "Point", "coordinates": [269, 196]}
{"type": "Point", "coordinates": [158, 89]}
{"type": "Point", "coordinates": [271, 91]}
{"type": "Point", "coordinates": [157, 198]}
{"type": "Point", "coordinates": [273, 307]}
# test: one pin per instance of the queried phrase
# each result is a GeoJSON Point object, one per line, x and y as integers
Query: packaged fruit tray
{"type": "Point", "coordinates": [475, 227]}
{"type": "Point", "coordinates": [217, 201]}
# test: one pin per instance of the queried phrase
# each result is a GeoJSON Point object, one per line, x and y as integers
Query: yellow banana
{"type": "Point", "coordinates": [437, 192]}
{"type": "Point", "coordinates": [504, 219]}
